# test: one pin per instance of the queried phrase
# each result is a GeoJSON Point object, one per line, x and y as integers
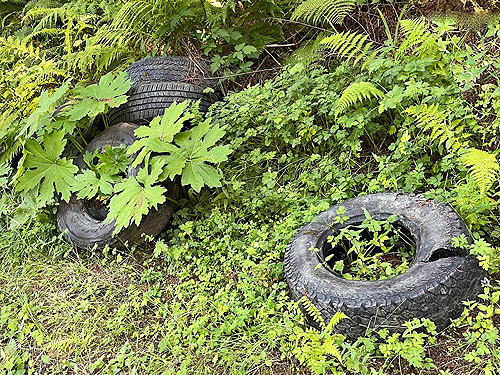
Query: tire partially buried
{"type": "Point", "coordinates": [82, 220]}
{"type": "Point", "coordinates": [433, 287]}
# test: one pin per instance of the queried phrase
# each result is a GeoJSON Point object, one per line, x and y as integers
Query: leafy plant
{"type": "Point", "coordinates": [357, 92]}
{"type": "Point", "coordinates": [483, 167]}
{"type": "Point", "coordinates": [319, 350]}
{"type": "Point", "coordinates": [372, 250]}
{"type": "Point", "coordinates": [323, 12]}
{"type": "Point", "coordinates": [99, 178]}
{"type": "Point", "coordinates": [96, 99]}
{"type": "Point", "coordinates": [135, 196]}
{"type": "Point", "coordinates": [347, 45]}
{"type": "Point", "coordinates": [46, 173]}
{"type": "Point", "coordinates": [186, 154]}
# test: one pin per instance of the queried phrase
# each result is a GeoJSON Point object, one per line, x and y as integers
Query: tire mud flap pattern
{"type": "Point", "coordinates": [83, 223]}
{"type": "Point", "coordinates": [433, 287]}
{"type": "Point", "coordinates": [172, 69]}
{"type": "Point", "coordinates": [148, 100]}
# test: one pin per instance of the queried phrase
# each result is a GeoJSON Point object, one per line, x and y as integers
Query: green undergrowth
{"type": "Point", "coordinates": [210, 296]}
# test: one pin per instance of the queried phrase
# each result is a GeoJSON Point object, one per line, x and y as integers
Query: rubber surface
{"type": "Point", "coordinates": [85, 229]}
{"type": "Point", "coordinates": [146, 101]}
{"type": "Point", "coordinates": [171, 69]}
{"type": "Point", "coordinates": [434, 286]}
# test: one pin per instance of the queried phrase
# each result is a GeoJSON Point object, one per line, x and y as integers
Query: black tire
{"type": "Point", "coordinates": [146, 101]}
{"type": "Point", "coordinates": [434, 286]}
{"type": "Point", "coordinates": [84, 225]}
{"type": "Point", "coordinates": [171, 69]}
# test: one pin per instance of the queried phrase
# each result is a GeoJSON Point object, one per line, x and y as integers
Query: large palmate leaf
{"type": "Point", "coordinates": [135, 196]}
{"type": "Point", "coordinates": [192, 155]}
{"type": "Point", "coordinates": [45, 170]}
{"type": "Point", "coordinates": [188, 154]}
{"type": "Point", "coordinates": [96, 99]}
{"type": "Point", "coordinates": [160, 131]}
{"type": "Point", "coordinates": [88, 184]}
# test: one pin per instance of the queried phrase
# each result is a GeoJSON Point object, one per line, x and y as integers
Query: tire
{"type": "Point", "coordinates": [171, 69]}
{"type": "Point", "coordinates": [433, 287]}
{"type": "Point", "coordinates": [146, 101]}
{"type": "Point", "coordinates": [84, 225]}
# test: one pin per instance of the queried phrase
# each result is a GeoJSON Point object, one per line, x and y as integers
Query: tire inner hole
{"type": "Point", "coordinates": [97, 208]}
{"type": "Point", "coordinates": [361, 258]}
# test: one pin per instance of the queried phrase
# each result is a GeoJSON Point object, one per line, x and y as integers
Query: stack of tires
{"type": "Point", "coordinates": [157, 82]}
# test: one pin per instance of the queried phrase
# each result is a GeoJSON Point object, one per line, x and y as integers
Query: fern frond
{"type": "Point", "coordinates": [331, 347]}
{"type": "Point", "coordinates": [431, 117]}
{"type": "Point", "coordinates": [323, 11]}
{"type": "Point", "coordinates": [96, 58]}
{"type": "Point", "coordinates": [484, 167]}
{"type": "Point", "coordinates": [357, 92]}
{"type": "Point", "coordinates": [335, 320]}
{"type": "Point", "coordinates": [347, 45]}
{"type": "Point", "coordinates": [416, 33]}
{"type": "Point", "coordinates": [312, 311]}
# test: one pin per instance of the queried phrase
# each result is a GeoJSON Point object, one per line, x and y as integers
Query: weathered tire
{"type": "Point", "coordinates": [434, 286]}
{"type": "Point", "coordinates": [171, 69]}
{"type": "Point", "coordinates": [148, 100]}
{"type": "Point", "coordinates": [85, 226]}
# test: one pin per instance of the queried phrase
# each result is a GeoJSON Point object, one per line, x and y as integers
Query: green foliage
{"type": "Point", "coordinates": [40, 119]}
{"type": "Point", "coordinates": [191, 154]}
{"type": "Point", "coordinates": [135, 196]}
{"type": "Point", "coordinates": [483, 167]}
{"type": "Point", "coordinates": [46, 172]}
{"type": "Point", "coordinates": [355, 93]}
{"type": "Point", "coordinates": [312, 311]}
{"type": "Point", "coordinates": [482, 335]}
{"type": "Point", "coordinates": [215, 279]}
{"type": "Point", "coordinates": [410, 344]}
{"type": "Point", "coordinates": [186, 154]}
{"type": "Point", "coordinates": [99, 179]}
{"type": "Point", "coordinates": [488, 256]}
{"type": "Point", "coordinates": [94, 100]}
{"type": "Point", "coordinates": [432, 118]}
{"type": "Point", "coordinates": [321, 351]}
{"type": "Point", "coordinates": [347, 45]}
{"type": "Point", "coordinates": [371, 250]}
{"type": "Point", "coordinates": [323, 12]}
{"type": "Point", "coordinates": [161, 130]}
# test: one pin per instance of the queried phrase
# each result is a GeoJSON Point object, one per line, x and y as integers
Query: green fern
{"type": "Point", "coordinates": [323, 11]}
{"type": "Point", "coordinates": [347, 45]}
{"type": "Point", "coordinates": [417, 36]}
{"type": "Point", "coordinates": [357, 92]}
{"type": "Point", "coordinates": [312, 311]}
{"type": "Point", "coordinates": [431, 117]}
{"type": "Point", "coordinates": [483, 167]}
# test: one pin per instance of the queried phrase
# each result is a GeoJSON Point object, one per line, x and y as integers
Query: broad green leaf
{"type": "Point", "coordinates": [88, 184]}
{"type": "Point", "coordinates": [135, 196]}
{"type": "Point", "coordinates": [199, 174]}
{"type": "Point", "coordinates": [193, 152]}
{"type": "Point", "coordinates": [188, 153]}
{"type": "Point", "coordinates": [45, 170]}
{"type": "Point", "coordinates": [96, 99]}
{"type": "Point", "coordinates": [113, 160]}
{"type": "Point", "coordinates": [159, 132]}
